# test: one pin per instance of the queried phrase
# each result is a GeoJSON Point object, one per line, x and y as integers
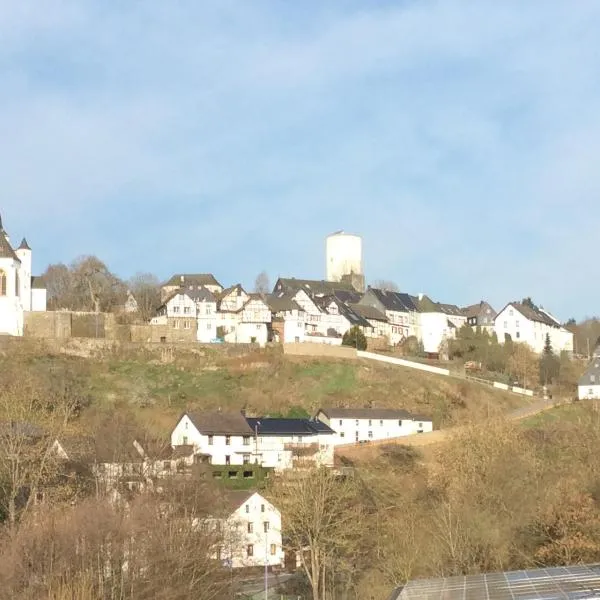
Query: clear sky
{"type": "Point", "coordinates": [460, 138]}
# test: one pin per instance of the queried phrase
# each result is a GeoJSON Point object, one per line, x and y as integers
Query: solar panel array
{"type": "Point", "coordinates": [554, 583]}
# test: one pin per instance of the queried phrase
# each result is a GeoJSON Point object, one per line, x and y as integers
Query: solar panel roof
{"type": "Point", "coordinates": [553, 583]}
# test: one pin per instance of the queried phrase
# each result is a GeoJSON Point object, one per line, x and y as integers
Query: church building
{"type": "Point", "coordinates": [20, 292]}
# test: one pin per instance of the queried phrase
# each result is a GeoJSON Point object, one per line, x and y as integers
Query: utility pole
{"type": "Point", "coordinates": [266, 564]}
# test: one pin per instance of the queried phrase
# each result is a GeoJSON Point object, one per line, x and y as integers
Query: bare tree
{"type": "Point", "coordinates": [145, 288]}
{"type": "Point", "coordinates": [384, 284]}
{"type": "Point", "coordinates": [323, 523]}
{"type": "Point", "coordinates": [262, 284]}
{"type": "Point", "coordinates": [59, 285]}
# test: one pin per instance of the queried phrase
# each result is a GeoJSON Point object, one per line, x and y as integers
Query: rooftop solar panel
{"type": "Point", "coordinates": [555, 583]}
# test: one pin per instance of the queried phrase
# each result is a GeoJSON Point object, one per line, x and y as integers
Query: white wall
{"type": "Point", "coordinates": [257, 511]}
{"type": "Point", "coordinates": [588, 392]}
{"type": "Point", "coordinates": [349, 431]}
{"type": "Point", "coordinates": [38, 300]}
{"type": "Point", "coordinates": [181, 306]}
{"type": "Point", "coordinates": [434, 330]}
{"type": "Point", "coordinates": [207, 321]}
{"type": "Point", "coordinates": [293, 327]}
{"type": "Point", "coordinates": [25, 278]}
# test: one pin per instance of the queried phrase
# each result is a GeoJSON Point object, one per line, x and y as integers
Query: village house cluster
{"type": "Point", "coordinates": [197, 307]}
{"type": "Point", "coordinates": [233, 447]}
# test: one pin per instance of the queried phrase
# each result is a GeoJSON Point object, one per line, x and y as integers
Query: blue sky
{"type": "Point", "coordinates": [460, 138]}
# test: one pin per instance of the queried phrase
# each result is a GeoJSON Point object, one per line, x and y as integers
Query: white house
{"type": "Point", "coordinates": [179, 311]}
{"type": "Point", "coordinates": [251, 532]}
{"type": "Point", "coordinates": [20, 292]}
{"type": "Point", "coordinates": [285, 443]}
{"type": "Point", "coordinates": [339, 317]}
{"type": "Point", "coordinates": [380, 326]}
{"type": "Point", "coordinates": [531, 325]}
{"type": "Point", "coordinates": [206, 312]}
{"type": "Point", "coordinates": [589, 383]}
{"type": "Point", "coordinates": [399, 308]}
{"type": "Point", "coordinates": [352, 425]}
{"type": "Point", "coordinates": [223, 438]}
{"type": "Point", "coordinates": [244, 317]}
{"type": "Point", "coordinates": [287, 318]}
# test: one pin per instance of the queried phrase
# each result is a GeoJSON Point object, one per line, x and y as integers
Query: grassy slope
{"type": "Point", "coordinates": [267, 382]}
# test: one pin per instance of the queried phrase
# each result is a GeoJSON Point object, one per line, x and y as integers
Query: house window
{"type": "Point", "coordinates": [370, 435]}
{"type": "Point", "coordinates": [369, 422]}
{"type": "Point", "coordinates": [590, 392]}
{"type": "Point", "coordinates": [592, 378]}
{"type": "Point", "coordinates": [342, 434]}
{"type": "Point", "coordinates": [2, 283]}
{"type": "Point", "coordinates": [167, 465]}
{"type": "Point", "coordinates": [357, 422]}
{"type": "Point", "coordinates": [258, 326]}
{"type": "Point", "coordinates": [186, 310]}
{"type": "Point", "coordinates": [400, 423]}
{"type": "Point", "coordinates": [250, 527]}
{"type": "Point", "coordinates": [266, 526]}
{"type": "Point", "coordinates": [505, 324]}
{"type": "Point", "coordinates": [381, 423]}
{"type": "Point", "coordinates": [250, 550]}
{"type": "Point", "coordinates": [340, 422]}
{"type": "Point", "coordinates": [273, 549]}
{"type": "Point", "coordinates": [511, 312]}
{"type": "Point", "coordinates": [186, 325]}
{"type": "Point", "coordinates": [420, 425]}
{"type": "Point", "coordinates": [262, 508]}
{"type": "Point", "coordinates": [211, 439]}
{"type": "Point", "coordinates": [246, 440]}
{"type": "Point", "coordinates": [209, 326]}
{"type": "Point", "coordinates": [246, 459]}
{"type": "Point", "coordinates": [176, 324]}
{"type": "Point", "coordinates": [518, 334]}
{"type": "Point", "coordinates": [176, 309]}
{"type": "Point", "coordinates": [299, 439]}
{"type": "Point", "coordinates": [227, 459]}
{"type": "Point", "coordinates": [185, 440]}
{"type": "Point", "coordinates": [228, 440]}
{"type": "Point", "coordinates": [517, 323]}
{"type": "Point", "coordinates": [247, 508]}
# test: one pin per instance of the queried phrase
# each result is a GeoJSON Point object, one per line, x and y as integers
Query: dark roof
{"type": "Point", "coordinates": [313, 287]}
{"type": "Point", "coordinates": [451, 309]}
{"type": "Point", "coordinates": [344, 310]}
{"type": "Point", "coordinates": [174, 294]}
{"type": "Point", "coordinates": [24, 245]}
{"type": "Point", "coordinates": [182, 451]}
{"type": "Point", "coordinates": [227, 291]}
{"type": "Point", "coordinates": [78, 448]}
{"type": "Point", "coordinates": [6, 250]}
{"type": "Point", "coordinates": [592, 371]}
{"type": "Point", "coordinates": [395, 301]}
{"type": "Point", "coordinates": [201, 295]}
{"type": "Point", "coordinates": [220, 423]}
{"type": "Point", "coordinates": [38, 282]}
{"type": "Point", "coordinates": [534, 314]}
{"type": "Point", "coordinates": [274, 426]}
{"type": "Point", "coordinates": [366, 413]}
{"type": "Point", "coordinates": [369, 312]}
{"type": "Point", "coordinates": [281, 303]}
{"type": "Point", "coordinates": [348, 296]}
{"type": "Point", "coordinates": [233, 499]}
{"type": "Point", "coordinates": [193, 279]}
{"type": "Point", "coordinates": [119, 450]}
{"type": "Point", "coordinates": [425, 304]}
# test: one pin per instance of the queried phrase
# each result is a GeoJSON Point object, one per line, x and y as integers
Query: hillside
{"type": "Point", "coordinates": [156, 386]}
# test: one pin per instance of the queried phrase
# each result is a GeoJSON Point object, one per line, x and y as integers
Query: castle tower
{"type": "Point", "coordinates": [344, 259]}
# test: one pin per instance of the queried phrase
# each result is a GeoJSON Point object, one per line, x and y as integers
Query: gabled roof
{"type": "Point", "coordinates": [348, 296]}
{"type": "Point", "coordinates": [394, 301]}
{"type": "Point", "coordinates": [275, 426]}
{"type": "Point", "coordinates": [367, 413]}
{"type": "Point", "coordinates": [474, 310]}
{"type": "Point", "coordinates": [592, 373]}
{"type": "Point", "coordinates": [533, 314]}
{"type": "Point", "coordinates": [24, 245]}
{"type": "Point", "coordinates": [174, 294]}
{"type": "Point", "coordinates": [451, 309]}
{"type": "Point", "coordinates": [369, 312]}
{"type": "Point", "coordinates": [201, 295]}
{"type": "Point", "coordinates": [233, 499]}
{"type": "Point", "coordinates": [6, 250]}
{"type": "Point", "coordinates": [238, 286]}
{"type": "Point", "coordinates": [197, 279]}
{"type": "Point", "coordinates": [346, 311]}
{"type": "Point", "coordinates": [78, 448]}
{"type": "Point", "coordinates": [220, 423]}
{"type": "Point", "coordinates": [312, 286]}
{"type": "Point", "coordinates": [281, 303]}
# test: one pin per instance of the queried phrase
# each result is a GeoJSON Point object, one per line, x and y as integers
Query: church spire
{"type": "Point", "coordinates": [24, 245]}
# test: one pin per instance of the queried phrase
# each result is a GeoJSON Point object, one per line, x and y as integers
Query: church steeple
{"type": "Point", "coordinates": [24, 245]}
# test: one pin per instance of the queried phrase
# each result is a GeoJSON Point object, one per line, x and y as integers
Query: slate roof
{"type": "Point", "coordinates": [312, 286]}
{"type": "Point", "coordinates": [274, 426]}
{"type": "Point", "coordinates": [281, 303]}
{"type": "Point", "coordinates": [201, 295]}
{"type": "Point", "coordinates": [348, 312]}
{"type": "Point", "coordinates": [369, 312]}
{"type": "Point", "coordinates": [395, 301]}
{"type": "Point", "coordinates": [451, 309]}
{"type": "Point", "coordinates": [539, 315]}
{"type": "Point", "coordinates": [79, 448]}
{"type": "Point", "coordinates": [369, 413]}
{"type": "Point", "coordinates": [233, 499]}
{"type": "Point", "coordinates": [24, 245]}
{"type": "Point", "coordinates": [220, 423]}
{"type": "Point", "coordinates": [197, 279]}
{"type": "Point", "coordinates": [38, 282]}
{"type": "Point", "coordinates": [348, 296]}
{"type": "Point", "coordinates": [6, 250]}
{"type": "Point", "coordinates": [592, 373]}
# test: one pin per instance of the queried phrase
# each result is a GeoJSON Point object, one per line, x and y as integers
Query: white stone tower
{"type": "Point", "coordinates": [24, 254]}
{"type": "Point", "coordinates": [344, 258]}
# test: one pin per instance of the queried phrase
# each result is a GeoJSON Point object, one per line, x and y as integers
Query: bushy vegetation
{"type": "Point", "coordinates": [355, 338]}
